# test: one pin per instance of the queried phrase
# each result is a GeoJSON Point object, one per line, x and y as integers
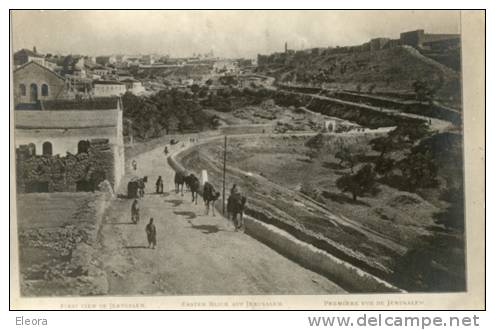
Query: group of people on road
{"type": "Point", "coordinates": [235, 204]}
{"type": "Point", "coordinates": [150, 228]}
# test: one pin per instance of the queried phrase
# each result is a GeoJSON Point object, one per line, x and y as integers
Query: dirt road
{"type": "Point", "coordinates": [196, 254]}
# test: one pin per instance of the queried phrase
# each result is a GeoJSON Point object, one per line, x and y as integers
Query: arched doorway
{"type": "Point", "coordinates": [47, 149]}
{"type": "Point", "coordinates": [82, 146]}
{"type": "Point", "coordinates": [33, 96]}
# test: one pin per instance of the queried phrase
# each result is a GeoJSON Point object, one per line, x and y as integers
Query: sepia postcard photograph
{"type": "Point", "coordinates": [247, 159]}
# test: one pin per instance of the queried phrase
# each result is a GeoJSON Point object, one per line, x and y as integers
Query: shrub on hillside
{"type": "Point", "coordinates": [358, 184]}
{"type": "Point", "coordinates": [404, 136]}
{"type": "Point", "coordinates": [419, 170]}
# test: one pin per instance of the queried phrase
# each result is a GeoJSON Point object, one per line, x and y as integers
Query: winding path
{"type": "Point", "coordinates": [196, 254]}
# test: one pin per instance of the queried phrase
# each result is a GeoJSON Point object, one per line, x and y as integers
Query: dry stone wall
{"type": "Point", "coordinates": [80, 172]}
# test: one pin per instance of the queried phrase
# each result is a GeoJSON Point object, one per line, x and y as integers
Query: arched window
{"type": "Point", "coordinates": [44, 90]}
{"type": "Point", "coordinates": [22, 89]}
{"type": "Point", "coordinates": [82, 146]}
{"type": "Point", "coordinates": [47, 149]}
{"type": "Point", "coordinates": [33, 96]}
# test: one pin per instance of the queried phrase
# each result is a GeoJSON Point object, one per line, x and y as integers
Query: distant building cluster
{"type": "Point", "coordinates": [39, 77]}
{"type": "Point", "coordinates": [417, 39]}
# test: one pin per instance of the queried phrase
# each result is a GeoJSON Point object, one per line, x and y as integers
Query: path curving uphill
{"type": "Point", "coordinates": [196, 254]}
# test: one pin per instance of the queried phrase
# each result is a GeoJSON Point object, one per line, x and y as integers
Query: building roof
{"type": "Point", "coordinates": [98, 103]}
{"type": "Point", "coordinates": [52, 60]}
{"type": "Point", "coordinates": [107, 82]}
{"type": "Point", "coordinates": [70, 60]}
{"type": "Point", "coordinates": [129, 80]}
{"type": "Point", "coordinates": [70, 120]}
{"type": "Point", "coordinates": [24, 66]}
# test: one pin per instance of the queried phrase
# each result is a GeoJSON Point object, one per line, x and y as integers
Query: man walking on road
{"type": "Point", "coordinates": [135, 211]}
{"type": "Point", "coordinates": [151, 234]}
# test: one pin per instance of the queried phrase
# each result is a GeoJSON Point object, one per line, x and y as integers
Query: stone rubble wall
{"type": "Point", "coordinates": [62, 173]}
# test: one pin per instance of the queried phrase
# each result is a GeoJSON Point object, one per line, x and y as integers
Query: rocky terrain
{"type": "Point", "coordinates": [57, 244]}
{"type": "Point", "coordinates": [281, 118]}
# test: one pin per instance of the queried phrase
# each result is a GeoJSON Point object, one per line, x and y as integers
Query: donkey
{"type": "Point", "coordinates": [193, 183]}
{"type": "Point", "coordinates": [179, 181]}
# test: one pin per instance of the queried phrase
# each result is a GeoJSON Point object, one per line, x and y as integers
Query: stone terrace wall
{"type": "Point", "coordinates": [360, 114]}
{"type": "Point", "coordinates": [55, 173]}
{"type": "Point", "coordinates": [415, 107]}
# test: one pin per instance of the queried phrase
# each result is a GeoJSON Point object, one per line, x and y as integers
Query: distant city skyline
{"type": "Point", "coordinates": [229, 34]}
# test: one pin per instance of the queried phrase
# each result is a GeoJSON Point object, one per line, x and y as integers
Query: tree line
{"type": "Point", "coordinates": [166, 112]}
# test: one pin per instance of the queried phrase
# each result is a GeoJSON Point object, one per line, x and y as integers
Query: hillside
{"type": "Point", "coordinates": [388, 70]}
{"type": "Point", "coordinates": [414, 239]}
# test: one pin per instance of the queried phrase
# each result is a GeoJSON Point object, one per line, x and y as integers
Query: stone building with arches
{"type": "Point", "coordinates": [69, 145]}
{"type": "Point", "coordinates": [34, 82]}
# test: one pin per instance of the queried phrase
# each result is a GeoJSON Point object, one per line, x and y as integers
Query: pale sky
{"type": "Point", "coordinates": [227, 33]}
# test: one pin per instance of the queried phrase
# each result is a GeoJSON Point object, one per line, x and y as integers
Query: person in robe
{"type": "Point", "coordinates": [159, 185]}
{"type": "Point", "coordinates": [135, 211]}
{"type": "Point", "coordinates": [151, 234]}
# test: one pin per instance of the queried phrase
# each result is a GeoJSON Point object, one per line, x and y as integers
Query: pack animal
{"type": "Point", "coordinates": [179, 180]}
{"type": "Point", "coordinates": [193, 183]}
{"type": "Point", "coordinates": [210, 196]}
